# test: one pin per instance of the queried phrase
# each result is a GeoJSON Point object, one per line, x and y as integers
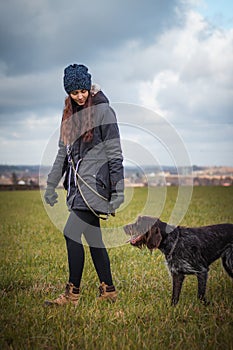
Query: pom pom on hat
{"type": "Point", "coordinates": [76, 77]}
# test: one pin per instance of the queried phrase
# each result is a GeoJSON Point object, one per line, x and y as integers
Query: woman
{"type": "Point", "coordinates": [90, 155]}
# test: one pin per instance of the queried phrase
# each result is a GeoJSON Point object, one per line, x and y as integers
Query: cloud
{"type": "Point", "coordinates": [38, 39]}
{"type": "Point", "coordinates": [186, 75]}
{"type": "Point", "coordinates": [162, 55]}
{"type": "Point", "coordinates": [193, 88]}
{"type": "Point", "coordinates": [195, 79]}
{"type": "Point", "coordinates": [24, 138]}
{"type": "Point", "coordinates": [37, 36]}
{"type": "Point", "coordinates": [31, 92]}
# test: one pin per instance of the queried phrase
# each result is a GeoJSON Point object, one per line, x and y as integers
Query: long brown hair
{"type": "Point", "coordinates": [76, 121]}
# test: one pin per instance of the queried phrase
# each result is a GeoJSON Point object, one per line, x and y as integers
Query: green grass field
{"type": "Point", "coordinates": [33, 267]}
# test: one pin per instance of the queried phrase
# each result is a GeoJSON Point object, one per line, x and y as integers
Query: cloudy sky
{"type": "Point", "coordinates": [174, 57]}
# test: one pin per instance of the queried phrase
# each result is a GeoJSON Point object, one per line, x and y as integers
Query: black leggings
{"type": "Point", "coordinates": [86, 223]}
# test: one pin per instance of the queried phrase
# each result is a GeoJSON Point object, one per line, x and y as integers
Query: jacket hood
{"type": "Point", "coordinates": [97, 95]}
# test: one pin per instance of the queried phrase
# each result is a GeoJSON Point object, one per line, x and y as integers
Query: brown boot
{"type": "Point", "coordinates": [71, 295]}
{"type": "Point", "coordinates": [107, 292]}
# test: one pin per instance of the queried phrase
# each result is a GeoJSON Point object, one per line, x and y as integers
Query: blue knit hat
{"type": "Point", "coordinates": [76, 77]}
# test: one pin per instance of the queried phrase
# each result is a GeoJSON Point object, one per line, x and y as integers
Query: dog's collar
{"type": "Point", "coordinates": [166, 227]}
{"type": "Point", "coordinates": [174, 245]}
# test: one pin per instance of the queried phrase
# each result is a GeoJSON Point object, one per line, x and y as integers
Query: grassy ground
{"type": "Point", "coordinates": [33, 267]}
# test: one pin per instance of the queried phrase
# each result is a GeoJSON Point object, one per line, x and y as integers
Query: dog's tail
{"type": "Point", "coordinates": [227, 260]}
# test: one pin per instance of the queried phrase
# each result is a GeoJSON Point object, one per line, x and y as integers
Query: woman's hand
{"type": "Point", "coordinates": [117, 198]}
{"type": "Point", "coordinates": [50, 195]}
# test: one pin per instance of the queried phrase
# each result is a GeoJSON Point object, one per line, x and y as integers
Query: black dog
{"type": "Point", "coordinates": [187, 250]}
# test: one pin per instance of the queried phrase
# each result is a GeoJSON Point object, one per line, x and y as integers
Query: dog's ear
{"type": "Point", "coordinates": [154, 238]}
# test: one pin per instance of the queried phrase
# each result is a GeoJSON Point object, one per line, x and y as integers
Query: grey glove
{"type": "Point", "coordinates": [117, 198]}
{"type": "Point", "coordinates": [50, 195]}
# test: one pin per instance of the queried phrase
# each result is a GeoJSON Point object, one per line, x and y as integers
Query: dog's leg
{"type": "Point", "coordinates": [177, 281]}
{"type": "Point", "coordinates": [227, 260]}
{"type": "Point", "coordinates": [202, 281]}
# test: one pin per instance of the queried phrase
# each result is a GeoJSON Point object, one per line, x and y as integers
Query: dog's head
{"type": "Point", "coordinates": [144, 232]}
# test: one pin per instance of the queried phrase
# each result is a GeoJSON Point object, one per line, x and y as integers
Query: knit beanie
{"type": "Point", "coordinates": [76, 77]}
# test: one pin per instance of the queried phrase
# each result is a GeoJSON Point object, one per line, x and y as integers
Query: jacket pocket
{"type": "Point", "coordinates": [103, 180]}
{"type": "Point", "coordinates": [101, 187]}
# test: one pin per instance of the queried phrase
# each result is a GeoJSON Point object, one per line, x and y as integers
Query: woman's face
{"type": "Point", "coordinates": [79, 96]}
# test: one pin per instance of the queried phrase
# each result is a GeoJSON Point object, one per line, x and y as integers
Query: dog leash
{"type": "Point", "coordinates": [78, 177]}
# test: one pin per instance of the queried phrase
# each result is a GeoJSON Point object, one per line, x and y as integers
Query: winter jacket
{"type": "Point", "coordinates": [98, 162]}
